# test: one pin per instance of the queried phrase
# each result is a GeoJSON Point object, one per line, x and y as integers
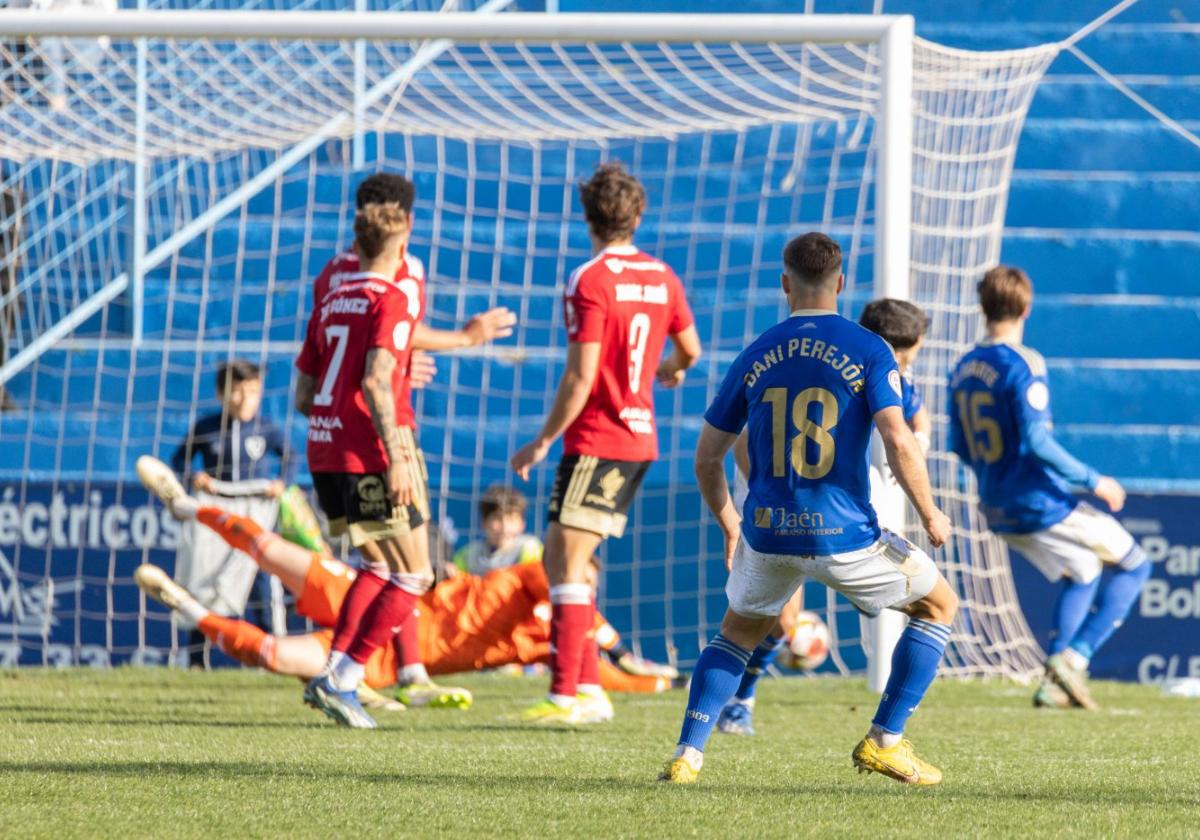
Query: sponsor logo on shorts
{"type": "Point", "coordinates": [610, 485]}
{"type": "Point", "coordinates": [371, 494]}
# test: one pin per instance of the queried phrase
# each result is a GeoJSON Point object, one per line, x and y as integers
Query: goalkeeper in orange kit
{"type": "Point", "coordinates": [466, 623]}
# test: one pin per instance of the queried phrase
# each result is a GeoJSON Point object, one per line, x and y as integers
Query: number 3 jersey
{"type": "Point", "coordinates": [363, 312]}
{"type": "Point", "coordinates": [807, 391]}
{"type": "Point", "coordinates": [629, 302]}
{"type": "Point", "coordinates": [999, 405]}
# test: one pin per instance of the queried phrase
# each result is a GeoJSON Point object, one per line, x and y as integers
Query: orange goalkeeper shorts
{"type": "Point", "coordinates": [325, 586]}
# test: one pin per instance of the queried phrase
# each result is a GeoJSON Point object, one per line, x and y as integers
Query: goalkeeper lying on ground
{"type": "Point", "coordinates": [466, 623]}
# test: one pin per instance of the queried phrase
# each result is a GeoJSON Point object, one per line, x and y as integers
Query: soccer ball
{"type": "Point", "coordinates": [807, 643]}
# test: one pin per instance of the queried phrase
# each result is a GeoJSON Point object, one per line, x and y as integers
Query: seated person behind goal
{"type": "Point", "coordinates": [464, 624]}
{"type": "Point", "coordinates": [505, 542]}
{"type": "Point", "coordinates": [902, 325]}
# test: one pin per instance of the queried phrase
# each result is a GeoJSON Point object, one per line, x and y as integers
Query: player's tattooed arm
{"type": "Point", "coordinates": [305, 388]}
{"type": "Point", "coordinates": [583, 363]}
{"type": "Point", "coordinates": [908, 465]}
{"type": "Point", "coordinates": [381, 402]}
{"type": "Point", "coordinates": [710, 477]}
{"type": "Point", "coordinates": [684, 354]}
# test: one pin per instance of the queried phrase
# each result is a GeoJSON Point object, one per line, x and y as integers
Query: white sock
{"type": "Point", "coordinates": [335, 659]}
{"type": "Point", "coordinates": [413, 674]}
{"type": "Point", "coordinates": [589, 690]}
{"type": "Point", "coordinates": [562, 701]}
{"type": "Point", "coordinates": [347, 675]}
{"type": "Point", "coordinates": [692, 755]}
{"type": "Point", "coordinates": [1075, 659]}
{"type": "Point", "coordinates": [883, 738]}
{"type": "Point", "coordinates": [184, 507]}
{"type": "Point", "coordinates": [192, 610]}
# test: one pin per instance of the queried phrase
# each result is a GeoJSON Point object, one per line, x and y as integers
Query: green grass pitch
{"type": "Point", "coordinates": [151, 753]}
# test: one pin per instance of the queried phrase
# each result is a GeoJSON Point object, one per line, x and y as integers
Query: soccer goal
{"type": "Point", "coordinates": [173, 181]}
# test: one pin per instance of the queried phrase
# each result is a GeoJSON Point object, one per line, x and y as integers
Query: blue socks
{"type": "Point", "coordinates": [1072, 608]}
{"type": "Point", "coordinates": [914, 665]}
{"type": "Point", "coordinates": [1116, 599]}
{"type": "Point", "coordinates": [760, 660]}
{"type": "Point", "coordinates": [717, 675]}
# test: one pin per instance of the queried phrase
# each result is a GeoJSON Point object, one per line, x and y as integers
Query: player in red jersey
{"type": "Point", "coordinates": [368, 471]}
{"type": "Point", "coordinates": [620, 308]}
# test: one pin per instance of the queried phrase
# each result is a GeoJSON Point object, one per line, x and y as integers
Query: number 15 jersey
{"type": "Point", "coordinates": [807, 390]}
{"type": "Point", "coordinates": [629, 302]}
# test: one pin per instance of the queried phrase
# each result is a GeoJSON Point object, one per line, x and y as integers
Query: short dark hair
{"type": "Point", "coordinates": [613, 201]}
{"type": "Point", "coordinates": [898, 322]}
{"type": "Point", "coordinates": [235, 371]}
{"type": "Point", "coordinates": [812, 259]}
{"type": "Point", "coordinates": [501, 499]}
{"type": "Point", "coordinates": [386, 188]}
{"type": "Point", "coordinates": [1005, 292]}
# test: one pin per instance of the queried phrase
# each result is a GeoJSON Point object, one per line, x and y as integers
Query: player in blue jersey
{"type": "Point", "coordinates": [902, 325]}
{"type": "Point", "coordinates": [808, 390]}
{"type": "Point", "coordinates": [1000, 426]}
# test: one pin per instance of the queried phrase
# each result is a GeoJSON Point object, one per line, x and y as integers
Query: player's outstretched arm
{"type": "Point", "coordinates": [685, 352]}
{"type": "Point", "coordinates": [710, 476]}
{"type": "Point", "coordinates": [1050, 452]}
{"type": "Point", "coordinates": [485, 327]}
{"type": "Point", "coordinates": [583, 363]}
{"type": "Point", "coordinates": [908, 465]}
{"type": "Point", "coordinates": [305, 389]}
{"type": "Point", "coordinates": [381, 402]}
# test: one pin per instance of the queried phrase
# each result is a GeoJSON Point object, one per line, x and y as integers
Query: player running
{"type": "Point", "coordinates": [902, 325]}
{"type": "Point", "coordinates": [1000, 426]}
{"type": "Point", "coordinates": [465, 623]}
{"type": "Point", "coordinates": [620, 308]}
{"type": "Point", "coordinates": [808, 390]}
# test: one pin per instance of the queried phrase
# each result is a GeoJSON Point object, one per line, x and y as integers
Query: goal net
{"type": "Point", "coordinates": [167, 204]}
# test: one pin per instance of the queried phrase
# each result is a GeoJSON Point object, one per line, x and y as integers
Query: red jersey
{"type": "Point", "coordinates": [364, 312]}
{"type": "Point", "coordinates": [629, 302]}
{"type": "Point", "coordinates": [346, 265]}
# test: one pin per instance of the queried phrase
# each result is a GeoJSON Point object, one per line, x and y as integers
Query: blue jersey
{"type": "Point", "coordinates": [807, 390]}
{"type": "Point", "coordinates": [1000, 425]}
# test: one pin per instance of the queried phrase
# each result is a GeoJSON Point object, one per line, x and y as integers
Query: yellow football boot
{"type": "Point", "coordinates": [680, 771]}
{"type": "Point", "coordinates": [897, 762]}
{"type": "Point", "coordinates": [546, 711]}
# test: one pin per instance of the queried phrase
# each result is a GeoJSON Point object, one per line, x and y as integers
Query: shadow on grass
{"type": "Point", "coordinates": [503, 785]}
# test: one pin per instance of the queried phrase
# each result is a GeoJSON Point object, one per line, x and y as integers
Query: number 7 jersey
{"type": "Point", "coordinates": [628, 302]}
{"type": "Point", "coordinates": [364, 312]}
{"type": "Point", "coordinates": [807, 391]}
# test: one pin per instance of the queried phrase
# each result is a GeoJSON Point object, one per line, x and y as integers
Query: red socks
{"type": "Point", "coordinates": [240, 639]}
{"type": "Point", "coordinates": [572, 621]}
{"type": "Point", "coordinates": [408, 643]}
{"type": "Point", "coordinates": [362, 592]}
{"type": "Point", "coordinates": [387, 615]}
{"type": "Point", "coordinates": [589, 667]}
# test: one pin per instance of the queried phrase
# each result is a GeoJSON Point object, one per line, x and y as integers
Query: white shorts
{"type": "Point", "coordinates": [1079, 546]}
{"type": "Point", "coordinates": [892, 573]}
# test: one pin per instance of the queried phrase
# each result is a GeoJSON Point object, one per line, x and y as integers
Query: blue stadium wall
{"type": "Point", "coordinates": [1104, 212]}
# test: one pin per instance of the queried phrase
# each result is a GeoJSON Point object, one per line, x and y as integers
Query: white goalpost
{"type": "Point", "coordinates": [193, 171]}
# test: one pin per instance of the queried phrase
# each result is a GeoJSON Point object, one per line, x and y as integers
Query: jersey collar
{"type": "Point", "coordinates": [806, 313]}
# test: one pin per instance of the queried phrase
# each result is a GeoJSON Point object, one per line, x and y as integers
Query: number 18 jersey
{"type": "Point", "coordinates": [807, 390]}
{"type": "Point", "coordinates": [629, 302]}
